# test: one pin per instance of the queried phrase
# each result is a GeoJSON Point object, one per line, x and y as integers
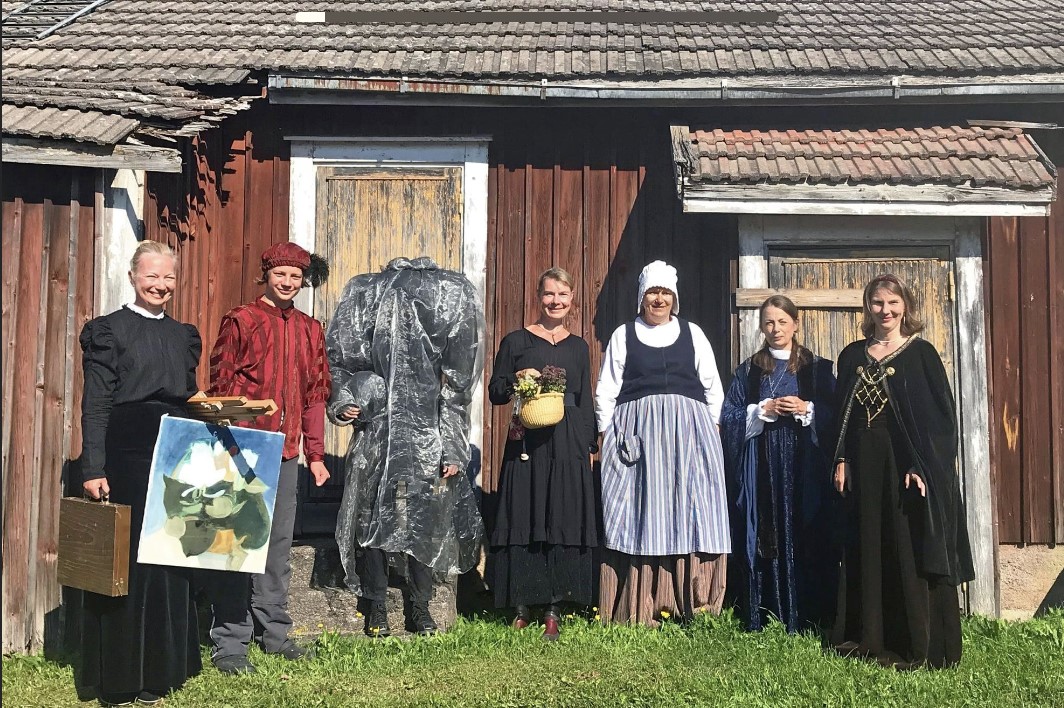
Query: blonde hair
{"type": "Point", "coordinates": [910, 320]}
{"type": "Point", "coordinates": [559, 274]}
{"type": "Point", "coordinates": [150, 247]}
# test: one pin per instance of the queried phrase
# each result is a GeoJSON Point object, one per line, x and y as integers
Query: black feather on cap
{"type": "Point", "coordinates": [317, 272]}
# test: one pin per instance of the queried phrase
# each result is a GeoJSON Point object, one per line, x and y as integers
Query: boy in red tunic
{"type": "Point", "coordinates": [269, 349]}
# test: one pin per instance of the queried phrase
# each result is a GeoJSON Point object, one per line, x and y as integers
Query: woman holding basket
{"type": "Point", "coordinates": [546, 528]}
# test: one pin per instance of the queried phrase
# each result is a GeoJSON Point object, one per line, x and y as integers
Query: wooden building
{"type": "Point", "coordinates": [501, 150]}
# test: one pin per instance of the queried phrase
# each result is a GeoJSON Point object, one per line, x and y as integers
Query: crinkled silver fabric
{"type": "Point", "coordinates": [405, 345]}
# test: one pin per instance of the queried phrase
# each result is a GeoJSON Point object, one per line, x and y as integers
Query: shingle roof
{"type": "Point", "coordinates": [147, 46]}
{"type": "Point", "coordinates": [980, 157]}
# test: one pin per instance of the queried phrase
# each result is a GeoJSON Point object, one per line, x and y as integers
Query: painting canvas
{"type": "Point", "coordinates": [211, 495]}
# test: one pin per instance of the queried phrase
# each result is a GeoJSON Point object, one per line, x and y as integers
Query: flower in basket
{"type": "Point", "coordinates": [552, 379]}
{"type": "Point", "coordinates": [541, 399]}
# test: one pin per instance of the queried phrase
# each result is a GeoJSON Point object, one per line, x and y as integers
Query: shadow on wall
{"type": "Point", "coordinates": [1053, 598]}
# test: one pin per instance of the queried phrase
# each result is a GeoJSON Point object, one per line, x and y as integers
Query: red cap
{"type": "Point", "coordinates": [285, 254]}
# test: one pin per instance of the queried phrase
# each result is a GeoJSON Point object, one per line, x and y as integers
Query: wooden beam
{"type": "Point", "coordinates": [862, 200]}
{"type": "Point", "coordinates": [75, 154]}
{"type": "Point", "coordinates": [842, 297]}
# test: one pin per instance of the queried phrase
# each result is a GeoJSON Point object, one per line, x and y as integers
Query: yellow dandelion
{"type": "Point", "coordinates": [359, 615]}
{"type": "Point", "coordinates": [595, 609]}
{"type": "Point", "coordinates": [376, 630]}
{"type": "Point", "coordinates": [666, 614]}
{"type": "Point", "coordinates": [598, 617]}
{"type": "Point", "coordinates": [320, 625]}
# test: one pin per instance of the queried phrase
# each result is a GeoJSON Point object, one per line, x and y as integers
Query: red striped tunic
{"type": "Point", "coordinates": [266, 352]}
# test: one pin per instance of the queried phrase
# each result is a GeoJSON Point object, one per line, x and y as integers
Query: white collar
{"type": "Point", "coordinates": [133, 307]}
{"type": "Point", "coordinates": [780, 353]}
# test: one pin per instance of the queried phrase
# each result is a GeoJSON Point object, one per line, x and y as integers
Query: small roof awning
{"type": "Point", "coordinates": [935, 171]}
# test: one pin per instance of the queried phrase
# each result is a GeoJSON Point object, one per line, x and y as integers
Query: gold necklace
{"type": "Point", "coordinates": [888, 342]}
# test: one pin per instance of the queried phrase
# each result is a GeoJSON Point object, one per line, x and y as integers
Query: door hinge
{"type": "Point", "coordinates": [952, 287]}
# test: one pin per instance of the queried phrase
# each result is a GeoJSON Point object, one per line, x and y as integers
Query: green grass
{"type": "Point", "coordinates": [711, 662]}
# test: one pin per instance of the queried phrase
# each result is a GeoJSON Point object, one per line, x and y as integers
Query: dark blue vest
{"type": "Point", "coordinates": [650, 370]}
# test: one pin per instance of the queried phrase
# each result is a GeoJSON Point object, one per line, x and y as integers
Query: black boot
{"type": "Point", "coordinates": [421, 621]}
{"type": "Point", "coordinates": [377, 620]}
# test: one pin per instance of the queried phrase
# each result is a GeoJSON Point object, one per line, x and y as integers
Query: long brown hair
{"type": "Point", "coordinates": [800, 356]}
{"type": "Point", "coordinates": [910, 321]}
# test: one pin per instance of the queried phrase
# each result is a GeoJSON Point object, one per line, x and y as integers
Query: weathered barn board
{"type": "Point", "coordinates": [49, 221]}
{"type": "Point", "coordinates": [1026, 307]}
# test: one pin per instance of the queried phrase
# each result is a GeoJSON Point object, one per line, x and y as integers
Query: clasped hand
{"type": "Point", "coordinates": [786, 405]}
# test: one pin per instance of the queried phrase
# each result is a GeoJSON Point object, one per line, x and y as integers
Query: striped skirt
{"type": "Point", "coordinates": [646, 589]}
{"type": "Point", "coordinates": [663, 479]}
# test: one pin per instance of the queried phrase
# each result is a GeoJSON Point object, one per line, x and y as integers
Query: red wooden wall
{"type": "Point", "coordinates": [49, 227]}
{"type": "Point", "coordinates": [1025, 295]}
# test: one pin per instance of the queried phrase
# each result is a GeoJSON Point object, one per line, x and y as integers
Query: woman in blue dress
{"type": "Point", "coordinates": [775, 418]}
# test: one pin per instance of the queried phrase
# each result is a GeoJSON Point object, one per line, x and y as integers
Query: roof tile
{"type": "Point", "coordinates": [955, 155]}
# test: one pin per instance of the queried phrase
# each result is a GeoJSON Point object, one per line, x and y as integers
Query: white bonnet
{"type": "Point", "coordinates": [658, 274]}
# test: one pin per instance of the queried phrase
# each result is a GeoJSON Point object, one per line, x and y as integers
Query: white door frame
{"type": "Point", "coordinates": [469, 153]}
{"type": "Point", "coordinates": [963, 234]}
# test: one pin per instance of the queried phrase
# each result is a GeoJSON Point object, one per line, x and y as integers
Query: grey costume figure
{"type": "Point", "coordinates": [404, 346]}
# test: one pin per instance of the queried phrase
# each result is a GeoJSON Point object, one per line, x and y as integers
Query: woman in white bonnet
{"type": "Point", "coordinates": [665, 513]}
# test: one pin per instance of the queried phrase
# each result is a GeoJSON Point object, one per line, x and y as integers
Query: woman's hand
{"type": "Point", "coordinates": [450, 471]}
{"type": "Point", "coordinates": [97, 488]}
{"type": "Point", "coordinates": [349, 413]}
{"type": "Point", "coordinates": [771, 406]}
{"type": "Point", "coordinates": [320, 472]}
{"type": "Point", "coordinates": [534, 373]}
{"type": "Point", "coordinates": [791, 405]}
{"type": "Point", "coordinates": [842, 477]}
{"type": "Point", "coordinates": [912, 478]}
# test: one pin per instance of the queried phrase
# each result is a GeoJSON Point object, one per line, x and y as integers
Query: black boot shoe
{"type": "Point", "coordinates": [421, 621]}
{"type": "Point", "coordinates": [377, 620]}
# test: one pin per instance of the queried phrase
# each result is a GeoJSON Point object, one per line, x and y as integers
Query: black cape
{"type": "Point", "coordinates": [923, 404]}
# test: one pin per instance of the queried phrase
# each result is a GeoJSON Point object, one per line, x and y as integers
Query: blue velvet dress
{"type": "Point", "coordinates": [779, 488]}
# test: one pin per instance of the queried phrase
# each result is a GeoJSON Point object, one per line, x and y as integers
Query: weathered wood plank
{"type": "Point", "coordinates": [802, 297]}
{"type": "Point", "coordinates": [1056, 381]}
{"type": "Point", "coordinates": [569, 235]}
{"type": "Point", "coordinates": [55, 356]}
{"type": "Point", "coordinates": [490, 453]}
{"type": "Point", "coordinates": [1034, 379]}
{"type": "Point", "coordinates": [973, 407]}
{"type": "Point", "coordinates": [19, 490]}
{"type": "Point", "coordinates": [74, 154]}
{"type": "Point", "coordinates": [538, 238]}
{"type": "Point", "coordinates": [1005, 367]}
{"type": "Point", "coordinates": [867, 193]}
{"type": "Point", "coordinates": [12, 245]}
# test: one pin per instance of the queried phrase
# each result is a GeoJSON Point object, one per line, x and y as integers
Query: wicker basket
{"type": "Point", "coordinates": [544, 410]}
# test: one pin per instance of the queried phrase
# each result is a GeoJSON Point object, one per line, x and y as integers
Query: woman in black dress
{"type": "Point", "coordinates": [547, 524]}
{"type": "Point", "coordinates": [907, 544]}
{"type": "Point", "coordinates": [139, 365]}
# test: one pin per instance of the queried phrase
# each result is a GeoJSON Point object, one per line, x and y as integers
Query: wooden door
{"type": "Point", "coordinates": [826, 330]}
{"type": "Point", "coordinates": [366, 216]}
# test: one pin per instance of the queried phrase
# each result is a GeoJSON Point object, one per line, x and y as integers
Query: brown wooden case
{"type": "Point", "coordinates": [94, 546]}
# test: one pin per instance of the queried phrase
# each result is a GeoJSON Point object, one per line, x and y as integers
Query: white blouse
{"type": "Point", "coordinates": [612, 374]}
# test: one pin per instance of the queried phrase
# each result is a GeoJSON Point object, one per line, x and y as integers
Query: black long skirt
{"type": "Point", "coordinates": [888, 611]}
{"type": "Point", "coordinates": [148, 639]}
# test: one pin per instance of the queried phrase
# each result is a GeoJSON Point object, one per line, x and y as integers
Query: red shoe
{"type": "Point", "coordinates": [523, 618]}
{"type": "Point", "coordinates": [551, 628]}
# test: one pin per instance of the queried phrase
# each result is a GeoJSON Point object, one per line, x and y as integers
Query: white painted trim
{"type": "Point", "coordinates": [471, 154]}
{"type": "Point", "coordinates": [757, 232]}
{"type": "Point", "coordinates": [390, 139]}
{"type": "Point", "coordinates": [859, 208]}
{"type": "Point", "coordinates": [973, 407]}
{"type": "Point", "coordinates": [122, 230]}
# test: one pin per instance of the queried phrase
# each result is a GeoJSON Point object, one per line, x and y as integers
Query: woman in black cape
{"type": "Point", "coordinates": [907, 545]}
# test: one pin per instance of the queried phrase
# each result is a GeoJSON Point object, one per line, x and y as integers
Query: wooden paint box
{"type": "Point", "coordinates": [94, 546]}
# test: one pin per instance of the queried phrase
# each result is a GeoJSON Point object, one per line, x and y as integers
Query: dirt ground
{"type": "Point", "coordinates": [1032, 580]}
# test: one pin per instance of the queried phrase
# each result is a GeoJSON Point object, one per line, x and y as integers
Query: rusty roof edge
{"type": "Point", "coordinates": [311, 88]}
